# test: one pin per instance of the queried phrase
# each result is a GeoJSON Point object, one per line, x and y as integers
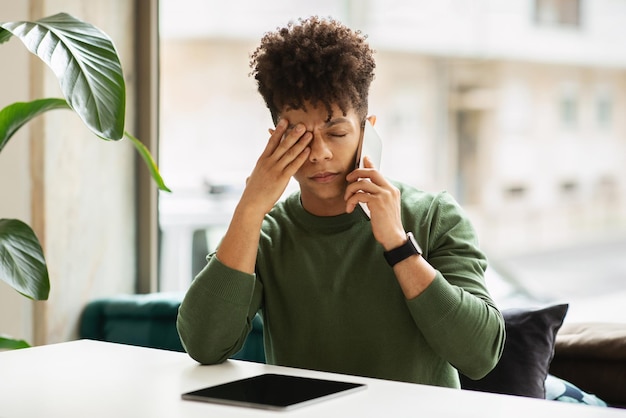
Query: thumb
{"type": "Point", "coordinates": [367, 162]}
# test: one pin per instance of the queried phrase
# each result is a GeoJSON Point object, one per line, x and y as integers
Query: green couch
{"type": "Point", "coordinates": [150, 321]}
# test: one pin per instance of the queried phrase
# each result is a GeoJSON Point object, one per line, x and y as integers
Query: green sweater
{"type": "Point", "coordinates": [330, 302]}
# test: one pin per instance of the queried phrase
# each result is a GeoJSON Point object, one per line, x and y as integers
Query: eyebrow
{"type": "Point", "coordinates": [337, 121]}
{"type": "Point", "coordinates": [331, 123]}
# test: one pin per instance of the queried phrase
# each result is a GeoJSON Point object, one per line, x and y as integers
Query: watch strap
{"type": "Point", "coordinates": [406, 250]}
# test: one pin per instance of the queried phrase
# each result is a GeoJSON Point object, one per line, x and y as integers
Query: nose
{"type": "Point", "coordinates": [319, 149]}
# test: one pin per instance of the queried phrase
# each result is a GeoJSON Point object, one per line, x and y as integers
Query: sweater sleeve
{"type": "Point", "coordinates": [216, 313]}
{"type": "Point", "coordinates": [455, 313]}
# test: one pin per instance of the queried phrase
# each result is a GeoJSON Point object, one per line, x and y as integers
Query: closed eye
{"type": "Point", "coordinates": [337, 134]}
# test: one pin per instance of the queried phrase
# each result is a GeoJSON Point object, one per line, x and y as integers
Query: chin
{"type": "Point", "coordinates": [323, 192]}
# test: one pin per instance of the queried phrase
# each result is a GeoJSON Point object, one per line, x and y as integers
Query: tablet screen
{"type": "Point", "coordinates": [273, 391]}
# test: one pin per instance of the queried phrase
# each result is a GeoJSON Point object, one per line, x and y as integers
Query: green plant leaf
{"type": "Point", "coordinates": [22, 264]}
{"type": "Point", "coordinates": [85, 62]}
{"type": "Point", "coordinates": [16, 115]}
{"type": "Point", "coordinates": [147, 157]}
{"type": "Point", "coordinates": [5, 35]}
{"type": "Point", "coordinates": [7, 343]}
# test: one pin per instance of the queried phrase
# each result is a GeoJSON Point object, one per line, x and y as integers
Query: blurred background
{"type": "Point", "coordinates": [515, 107]}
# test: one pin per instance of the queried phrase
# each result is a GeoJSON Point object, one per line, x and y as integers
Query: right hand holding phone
{"type": "Point", "coordinates": [368, 185]}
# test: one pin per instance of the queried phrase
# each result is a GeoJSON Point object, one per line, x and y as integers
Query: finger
{"type": "Point", "coordinates": [283, 139]}
{"type": "Point", "coordinates": [367, 162]}
{"type": "Point", "coordinates": [292, 136]}
{"type": "Point", "coordinates": [275, 137]}
{"type": "Point", "coordinates": [366, 173]}
{"type": "Point", "coordinates": [361, 186]}
{"type": "Point", "coordinates": [292, 167]}
{"type": "Point", "coordinates": [371, 174]}
{"type": "Point", "coordinates": [356, 198]}
{"type": "Point", "coordinates": [350, 206]}
{"type": "Point", "coordinates": [295, 151]}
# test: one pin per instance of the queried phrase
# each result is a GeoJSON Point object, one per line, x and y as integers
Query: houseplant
{"type": "Point", "coordinates": [88, 68]}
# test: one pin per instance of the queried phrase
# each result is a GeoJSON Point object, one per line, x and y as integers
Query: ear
{"type": "Point", "coordinates": [372, 119]}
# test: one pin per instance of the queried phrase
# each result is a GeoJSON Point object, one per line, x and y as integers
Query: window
{"type": "Point", "coordinates": [568, 106]}
{"type": "Point", "coordinates": [604, 109]}
{"type": "Point", "coordinates": [557, 13]}
{"type": "Point", "coordinates": [497, 145]}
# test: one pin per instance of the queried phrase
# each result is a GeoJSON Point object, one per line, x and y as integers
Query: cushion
{"type": "Point", "coordinates": [592, 340]}
{"type": "Point", "coordinates": [561, 390]}
{"type": "Point", "coordinates": [528, 351]}
{"type": "Point", "coordinates": [592, 356]}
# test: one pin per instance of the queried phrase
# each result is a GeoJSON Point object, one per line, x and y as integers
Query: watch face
{"type": "Point", "coordinates": [414, 242]}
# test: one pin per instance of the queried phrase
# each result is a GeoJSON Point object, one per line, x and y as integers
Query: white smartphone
{"type": "Point", "coordinates": [371, 146]}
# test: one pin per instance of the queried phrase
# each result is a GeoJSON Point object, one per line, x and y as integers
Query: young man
{"type": "Point", "coordinates": [337, 291]}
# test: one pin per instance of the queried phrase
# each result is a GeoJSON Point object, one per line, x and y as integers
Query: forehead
{"type": "Point", "coordinates": [318, 115]}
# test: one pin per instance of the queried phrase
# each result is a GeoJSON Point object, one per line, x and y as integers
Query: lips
{"type": "Point", "coordinates": [325, 177]}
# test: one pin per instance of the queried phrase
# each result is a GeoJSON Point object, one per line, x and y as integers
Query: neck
{"type": "Point", "coordinates": [323, 207]}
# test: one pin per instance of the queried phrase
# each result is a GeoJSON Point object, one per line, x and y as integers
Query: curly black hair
{"type": "Point", "coordinates": [318, 60]}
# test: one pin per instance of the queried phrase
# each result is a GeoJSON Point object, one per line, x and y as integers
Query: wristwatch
{"type": "Point", "coordinates": [409, 248]}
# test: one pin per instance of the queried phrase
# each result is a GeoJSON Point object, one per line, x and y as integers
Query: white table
{"type": "Point", "coordinates": [95, 379]}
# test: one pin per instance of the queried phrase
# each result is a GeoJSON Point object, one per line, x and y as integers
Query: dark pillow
{"type": "Point", "coordinates": [528, 351]}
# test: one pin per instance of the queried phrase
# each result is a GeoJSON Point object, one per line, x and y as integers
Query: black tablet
{"type": "Point", "coordinates": [273, 391]}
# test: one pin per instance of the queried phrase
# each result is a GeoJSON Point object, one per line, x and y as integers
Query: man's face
{"type": "Point", "coordinates": [322, 178]}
